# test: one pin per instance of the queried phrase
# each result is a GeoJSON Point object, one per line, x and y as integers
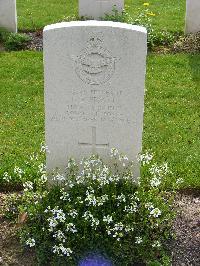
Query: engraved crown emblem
{"type": "Point", "coordinates": [95, 41]}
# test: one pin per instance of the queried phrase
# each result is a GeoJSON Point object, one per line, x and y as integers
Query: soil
{"type": "Point", "coordinates": [185, 249]}
{"type": "Point", "coordinates": [36, 42]}
{"type": "Point", "coordinates": [184, 44]}
{"type": "Point", "coordinates": [11, 252]}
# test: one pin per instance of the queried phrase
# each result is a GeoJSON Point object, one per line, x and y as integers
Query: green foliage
{"type": "Point", "coordinates": [15, 41]}
{"type": "Point", "coordinates": [160, 38]}
{"type": "Point", "coordinates": [171, 118]}
{"type": "Point", "coordinates": [3, 34]}
{"type": "Point", "coordinates": [31, 18]}
{"type": "Point", "coordinates": [144, 18]}
{"type": "Point", "coordinates": [95, 207]}
{"type": "Point", "coordinates": [22, 113]}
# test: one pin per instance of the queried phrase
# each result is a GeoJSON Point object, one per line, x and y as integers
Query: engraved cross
{"type": "Point", "coordinates": [94, 145]}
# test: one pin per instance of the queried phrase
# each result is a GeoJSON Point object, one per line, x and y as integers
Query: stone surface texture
{"type": "Point", "coordinates": [98, 8]}
{"type": "Point", "coordinates": [94, 89]}
{"type": "Point", "coordinates": [8, 15]}
{"type": "Point", "coordinates": [192, 23]}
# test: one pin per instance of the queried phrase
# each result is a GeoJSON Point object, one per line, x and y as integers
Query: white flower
{"type": "Point", "coordinates": [70, 227]}
{"type": "Point", "coordinates": [34, 157]}
{"type": "Point", "coordinates": [90, 218]}
{"type": "Point", "coordinates": [18, 171]}
{"type": "Point", "coordinates": [59, 177]}
{"type": "Point", "coordinates": [61, 250]}
{"type": "Point", "coordinates": [73, 213]}
{"type": "Point", "coordinates": [28, 185]}
{"type": "Point", "coordinates": [179, 181]}
{"type": "Point", "coordinates": [71, 163]}
{"type": "Point", "coordinates": [149, 206]}
{"type": "Point", "coordinates": [94, 222]}
{"type": "Point", "coordinates": [52, 223]}
{"type": "Point", "coordinates": [47, 209]}
{"type": "Point", "coordinates": [44, 148]}
{"type": "Point", "coordinates": [30, 242]}
{"type": "Point", "coordinates": [79, 200]}
{"type": "Point", "coordinates": [145, 158]}
{"type": "Point", "coordinates": [101, 200]}
{"type": "Point", "coordinates": [87, 215]}
{"type": "Point", "coordinates": [155, 212]}
{"type": "Point", "coordinates": [114, 152]}
{"type": "Point", "coordinates": [59, 235]}
{"type": "Point", "coordinates": [159, 171]}
{"type": "Point", "coordinates": [116, 231]}
{"type": "Point", "coordinates": [131, 208]}
{"type": "Point", "coordinates": [138, 240]}
{"type": "Point", "coordinates": [59, 214]}
{"type": "Point", "coordinates": [125, 158]}
{"type": "Point", "coordinates": [155, 182]}
{"type": "Point", "coordinates": [90, 199]}
{"type": "Point", "coordinates": [121, 198]}
{"type": "Point", "coordinates": [156, 244]}
{"type": "Point", "coordinates": [42, 168]}
{"type": "Point", "coordinates": [6, 177]}
{"type": "Point", "coordinates": [129, 229]}
{"type": "Point", "coordinates": [65, 195]}
{"type": "Point", "coordinates": [108, 219]}
{"type": "Point", "coordinates": [43, 179]}
{"type": "Point", "coordinates": [136, 196]}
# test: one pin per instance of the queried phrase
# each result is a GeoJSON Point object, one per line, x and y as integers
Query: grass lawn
{"type": "Point", "coordinates": [35, 14]}
{"type": "Point", "coordinates": [22, 119]}
{"type": "Point", "coordinates": [171, 124]}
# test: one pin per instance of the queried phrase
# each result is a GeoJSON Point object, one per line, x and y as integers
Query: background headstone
{"type": "Point", "coordinates": [98, 8]}
{"type": "Point", "coordinates": [94, 89]}
{"type": "Point", "coordinates": [8, 15]}
{"type": "Point", "coordinates": [192, 20]}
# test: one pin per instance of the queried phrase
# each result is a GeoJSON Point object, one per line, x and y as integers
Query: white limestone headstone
{"type": "Point", "coordinates": [94, 74]}
{"type": "Point", "coordinates": [8, 15]}
{"type": "Point", "coordinates": [98, 8]}
{"type": "Point", "coordinates": [192, 20]}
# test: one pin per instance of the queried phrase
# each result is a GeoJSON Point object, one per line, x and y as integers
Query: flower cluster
{"type": "Point", "coordinates": [56, 216]}
{"type": "Point", "coordinates": [93, 202]}
{"type": "Point", "coordinates": [61, 250]}
{"type": "Point", "coordinates": [7, 177]}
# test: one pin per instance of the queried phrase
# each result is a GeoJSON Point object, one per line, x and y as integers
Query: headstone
{"type": "Point", "coordinates": [98, 8]}
{"type": "Point", "coordinates": [94, 89]}
{"type": "Point", "coordinates": [192, 23]}
{"type": "Point", "coordinates": [8, 15]}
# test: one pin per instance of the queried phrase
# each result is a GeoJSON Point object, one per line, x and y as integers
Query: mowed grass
{"type": "Point", "coordinates": [172, 111]}
{"type": "Point", "coordinates": [35, 14]}
{"type": "Point", "coordinates": [22, 108]}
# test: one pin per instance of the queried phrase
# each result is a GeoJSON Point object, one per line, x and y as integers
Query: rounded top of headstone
{"type": "Point", "coordinates": [95, 23]}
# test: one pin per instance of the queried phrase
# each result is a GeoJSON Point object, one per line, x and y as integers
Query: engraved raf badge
{"type": "Point", "coordinates": [95, 65]}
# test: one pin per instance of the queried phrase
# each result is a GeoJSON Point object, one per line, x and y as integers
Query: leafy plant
{"type": "Point", "coordinates": [95, 207]}
{"type": "Point", "coordinates": [13, 41]}
{"type": "Point", "coordinates": [155, 37]}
